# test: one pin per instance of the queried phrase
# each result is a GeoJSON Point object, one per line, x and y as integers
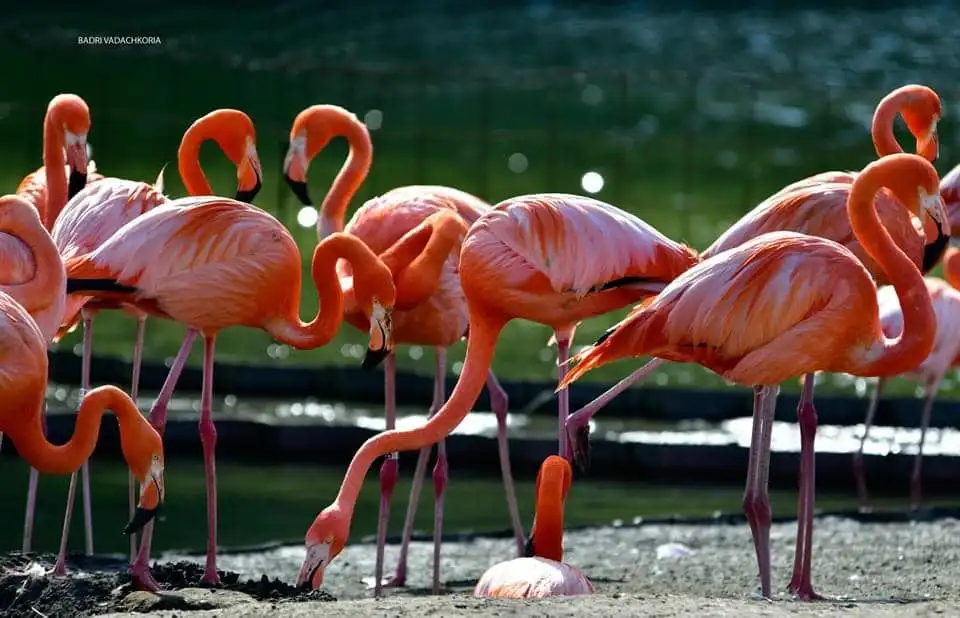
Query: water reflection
{"type": "Point", "coordinates": [735, 432]}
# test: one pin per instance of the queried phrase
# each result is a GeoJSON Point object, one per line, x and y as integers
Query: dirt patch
{"type": "Point", "coordinates": [98, 585]}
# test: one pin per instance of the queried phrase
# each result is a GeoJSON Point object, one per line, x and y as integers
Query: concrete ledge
{"type": "Point", "coordinates": [352, 384]}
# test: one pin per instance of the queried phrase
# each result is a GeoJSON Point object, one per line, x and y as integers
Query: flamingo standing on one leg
{"type": "Point", "coordinates": [554, 259]}
{"type": "Point", "coordinates": [100, 209]}
{"type": "Point", "coordinates": [211, 263]}
{"type": "Point", "coordinates": [437, 319]}
{"type": "Point", "coordinates": [542, 572]}
{"type": "Point", "coordinates": [945, 354]}
{"type": "Point", "coordinates": [787, 304]}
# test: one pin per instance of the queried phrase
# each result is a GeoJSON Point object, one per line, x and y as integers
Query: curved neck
{"type": "Point", "coordinates": [881, 130]}
{"type": "Point", "coordinates": [50, 458]}
{"type": "Point", "coordinates": [480, 347]}
{"type": "Point", "coordinates": [547, 530]}
{"type": "Point", "coordinates": [43, 295]}
{"type": "Point", "coordinates": [323, 327]}
{"type": "Point", "coordinates": [54, 166]}
{"type": "Point", "coordinates": [333, 209]}
{"type": "Point", "coordinates": [188, 162]}
{"type": "Point", "coordinates": [417, 259]}
{"type": "Point", "coordinates": [905, 352]}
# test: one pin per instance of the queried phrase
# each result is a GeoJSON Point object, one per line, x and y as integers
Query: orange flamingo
{"type": "Point", "coordinates": [23, 354]}
{"type": "Point", "coordinates": [430, 309]}
{"type": "Point", "coordinates": [782, 305]}
{"type": "Point", "coordinates": [96, 213]}
{"type": "Point", "coordinates": [554, 259]}
{"type": "Point", "coordinates": [211, 263]}
{"type": "Point", "coordinates": [542, 572]}
{"type": "Point", "coordinates": [817, 206]}
{"type": "Point", "coordinates": [65, 128]}
{"type": "Point", "coordinates": [945, 355]}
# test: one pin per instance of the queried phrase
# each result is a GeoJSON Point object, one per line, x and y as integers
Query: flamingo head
{"type": "Point", "coordinates": [325, 539]}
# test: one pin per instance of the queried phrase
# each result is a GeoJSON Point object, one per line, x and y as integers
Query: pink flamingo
{"type": "Point", "coordinates": [554, 259]}
{"type": "Point", "coordinates": [541, 573]}
{"type": "Point", "coordinates": [430, 310]}
{"type": "Point", "coordinates": [783, 305]}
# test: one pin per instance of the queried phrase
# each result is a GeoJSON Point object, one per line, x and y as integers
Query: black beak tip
{"type": "Point", "coordinates": [141, 517]}
{"type": "Point", "coordinates": [248, 196]}
{"type": "Point", "coordinates": [581, 448]}
{"type": "Point", "coordinates": [373, 358]}
{"type": "Point", "coordinates": [528, 551]}
{"type": "Point", "coordinates": [933, 253]}
{"type": "Point", "coordinates": [299, 189]}
{"type": "Point", "coordinates": [77, 181]}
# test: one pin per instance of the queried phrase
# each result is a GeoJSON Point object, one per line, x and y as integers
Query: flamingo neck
{"type": "Point", "coordinates": [546, 535]}
{"type": "Point", "coordinates": [484, 331]}
{"type": "Point", "coordinates": [881, 130]}
{"type": "Point", "coordinates": [54, 166]}
{"type": "Point", "coordinates": [903, 353]}
{"type": "Point", "coordinates": [188, 162]}
{"type": "Point", "coordinates": [333, 209]}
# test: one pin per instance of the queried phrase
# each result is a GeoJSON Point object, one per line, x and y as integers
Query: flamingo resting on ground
{"type": "Point", "coordinates": [945, 355]}
{"type": "Point", "coordinates": [554, 259]}
{"type": "Point", "coordinates": [542, 572]}
{"type": "Point", "coordinates": [430, 309]}
{"type": "Point", "coordinates": [211, 263]}
{"type": "Point", "coordinates": [23, 383]}
{"type": "Point", "coordinates": [783, 305]}
{"type": "Point", "coordinates": [817, 206]}
{"type": "Point", "coordinates": [102, 208]}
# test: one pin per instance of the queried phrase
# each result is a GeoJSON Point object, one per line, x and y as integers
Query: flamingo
{"type": "Point", "coordinates": [23, 382]}
{"type": "Point", "coordinates": [550, 258]}
{"type": "Point", "coordinates": [542, 572]}
{"type": "Point", "coordinates": [817, 206]}
{"type": "Point", "coordinates": [65, 128]}
{"type": "Point", "coordinates": [782, 305]}
{"type": "Point", "coordinates": [437, 319]}
{"type": "Point", "coordinates": [102, 208]}
{"type": "Point", "coordinates": [945, 355]}
{"type": "Point", "coordinates": [25, 336]}
{"type": "Point", "coordinates": [211, 263]}
{"type": "Point", "coordinates": [950, 192]}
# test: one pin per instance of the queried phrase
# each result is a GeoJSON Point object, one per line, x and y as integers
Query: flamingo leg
{"type": "Point", "coordinates": [389, 470]}
{"type": "Point", "coordinates": [756, 497]}
{"type": "Point", "coordinates": [807, 418]}
{"type": "Point", "coordinates": [439, 395]}
{"type": "Point", "coordinates": [440, 474]}
{"type": "Point", "coordinates": [140, 569]}
{"type": "Point", "coordinates": [34, 480]}
{"type": "Point", "coordinates": [134, 394]}
{"type": "Point", "coordinates": [563, 338]}
{"type": "Point", "coordinates": [499, 404]}
{"type": "Point", "coordinates": [858, 473]}
{"type": "Point", "coordinates": [208, 437]}
{"type": "Point", "coordinates": [85, 468]}
{"type": "Point", "coordinates": [932, 389]}
{"type": "Point", "coordinates": [578, 424]}
{"type": "Point", "coordinates": [60, 567]}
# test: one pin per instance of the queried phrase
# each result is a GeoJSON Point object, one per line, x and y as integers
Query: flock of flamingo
{"type": "Point", "coordinates": [828, 274]}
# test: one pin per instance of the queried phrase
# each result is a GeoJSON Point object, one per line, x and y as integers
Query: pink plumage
{"type": "Point", "coordinates": [532, 578]}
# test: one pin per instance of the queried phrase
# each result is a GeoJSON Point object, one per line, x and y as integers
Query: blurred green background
{"type": "Point", "coordinates": [690, 118]}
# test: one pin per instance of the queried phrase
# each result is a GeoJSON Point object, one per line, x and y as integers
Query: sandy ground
{"type": "Point", "coordinates": [866, 569]}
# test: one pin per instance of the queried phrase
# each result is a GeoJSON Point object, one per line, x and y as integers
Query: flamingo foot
{"type": "Point", "coordinates": [210, 576]}
{"type": "Point", "coordinates": [399, 579]}
{"type": "Point", "coordinates": [143, 578]}
{"type": "Point", "coordinates": [804, 591]}
{"type": "Point", "coordinates": [60, 567]}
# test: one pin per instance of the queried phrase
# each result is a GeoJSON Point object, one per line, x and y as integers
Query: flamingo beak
{"type": "Point", "coordinates": [249, 175]}
{"type": "Point", "coordinates": [295, 166]}
{"type": "Point", "coordinates": [381, 337]}
{"type": "Point", "coordinates": [314, 563]}
{"type": "Point", "coordinates": [151, 498]}
{"type": "Point", "coordinates": [77, 157]}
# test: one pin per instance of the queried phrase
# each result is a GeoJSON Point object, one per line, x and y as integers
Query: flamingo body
{"type": "Point", "coordinates": [532, 578]}
{"type": "Point", "coordinates": [950, 192]}
{"type": "Point", "coordinates": [946, 344]}
{"type": "Point", "coordinates": [33, 187]}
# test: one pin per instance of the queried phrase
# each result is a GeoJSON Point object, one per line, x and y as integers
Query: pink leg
{"type": "Point", "coordinates": [858, 474]}
{"type": "Point", "coordinates": [208, 437]}
{"type": "Point", "coordinates": [140, 569]}
{"type": "Point", "coordinates": [756, 498]}
{"type": "Point", "coordinates": [932, 389]}
{"type": "Point", "coordinates": [389, 470]}
{"type": "Point", "coordinates": [34, 480]}
{"type": "Point", "coordinates": [578, 423]}
{"type": "Point", "coordinates": [134, 394]}
{"type": "Point", "coordinates": [499, 404]}
{"type": "Point", "coordinates": [439, 395]}
{"type": "Point", "coordinates": [60, 567]}
{"type": "Point", "coordinates": [440, 476]}
{"type": "Point", "coordinates": [563, 339]}
{"type": "Point", "coordinates": [807, 418]}
{"type": "Point", "coordinates": [85, 468]}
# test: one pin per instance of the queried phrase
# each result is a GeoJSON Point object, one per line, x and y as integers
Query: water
{"type": "Point", "coordinates": [734, 432]}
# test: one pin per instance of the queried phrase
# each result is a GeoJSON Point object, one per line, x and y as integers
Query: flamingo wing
{"type": "Point", "coordinates": [757, 314]}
